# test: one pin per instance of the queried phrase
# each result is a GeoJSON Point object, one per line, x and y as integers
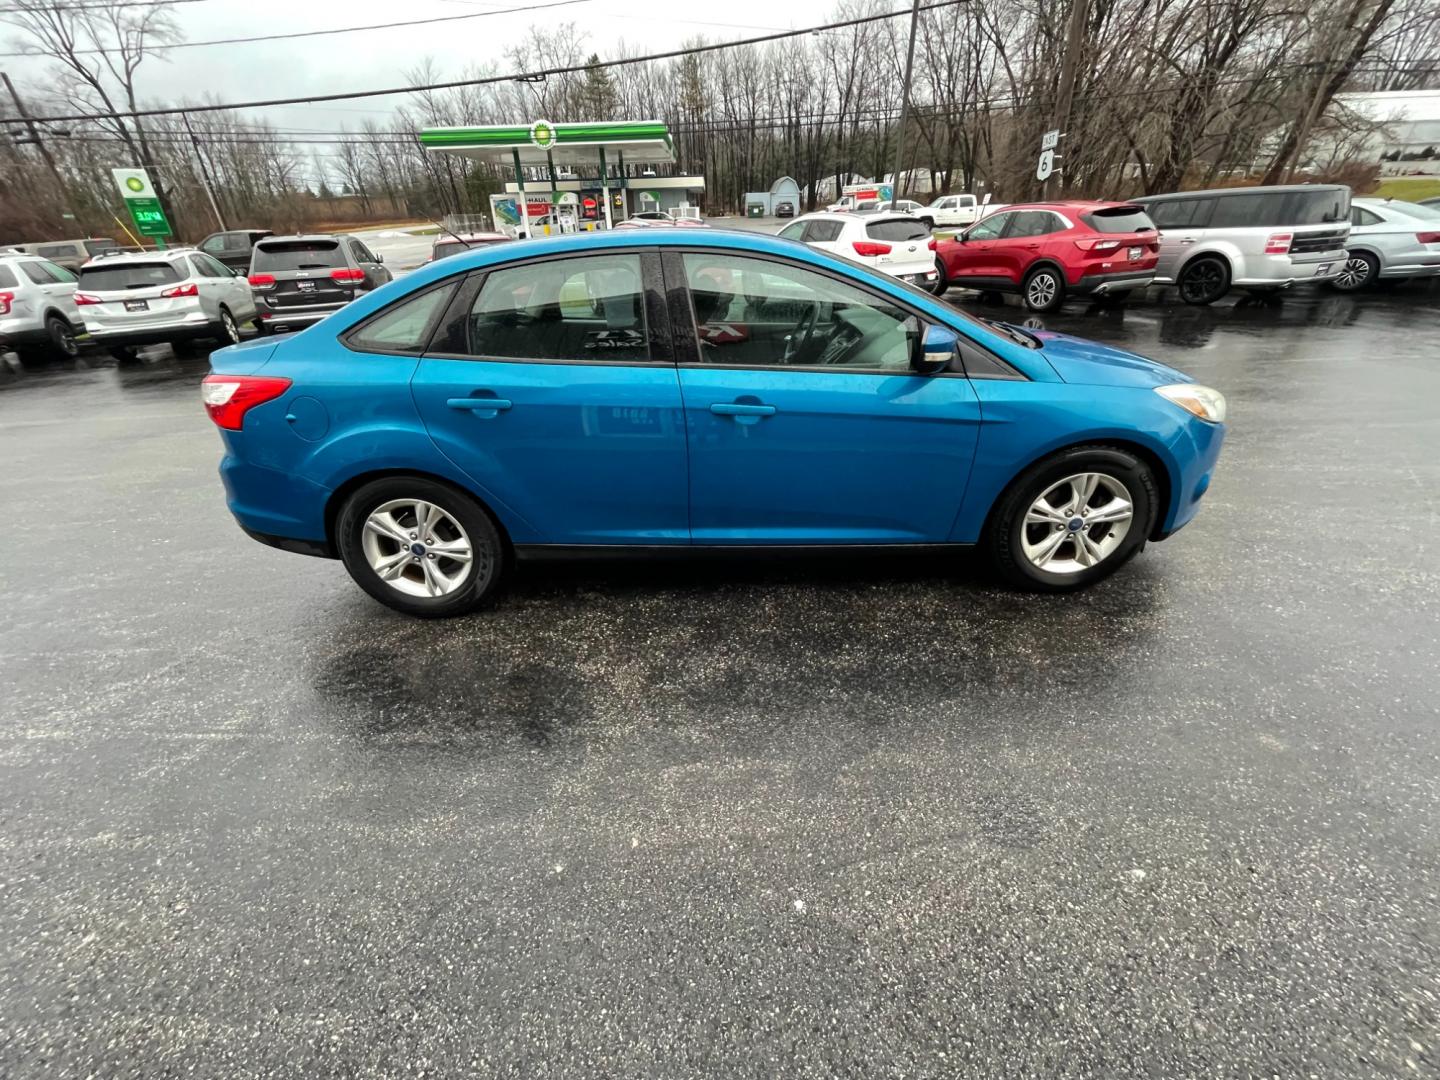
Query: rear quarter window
{"type": "Point", "coordinates": [897, 229]}
{"type": "Point", "coordinates": [297, 255]}
{"type": "Point", "coordinates": [7, 278]}
{"type": "Point", "coordinates": [1119, 219]}
{"type": "Point", "coordinates": [128, 276]}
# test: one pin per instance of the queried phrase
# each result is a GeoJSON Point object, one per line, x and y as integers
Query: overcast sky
{"type": "Point", "coordinates": [380, 58]}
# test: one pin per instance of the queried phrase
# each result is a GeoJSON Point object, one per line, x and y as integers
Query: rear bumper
{"type": "Point", "coordinates": [150, 335]}
{"type": "Point", "coordinates": [1100, 284]}
{"type": "Point", "coordinates": [279, 317]}
{"type": "Point", "coordinates": [269, 503]}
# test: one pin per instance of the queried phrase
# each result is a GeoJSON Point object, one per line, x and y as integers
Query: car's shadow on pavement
{"type": "Point", "coordinates": [581, 650]}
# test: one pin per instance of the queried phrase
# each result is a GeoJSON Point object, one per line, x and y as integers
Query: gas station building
{"type": "Point", "coordinates": [602, 150]}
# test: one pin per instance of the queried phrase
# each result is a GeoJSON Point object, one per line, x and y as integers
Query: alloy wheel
{"type": "Point", "coordinates": [1354, 274]}
{"type": "Point", "coordinates": [1077, 523]}
{"type": "Point", "coordinates": [1202, 282]}
{"type": "Point", "coordinates": [1040, 293]}
{"type": "Point", "coordinates": [231, 331]}
{"type": "Point", "coordinates": [418, 548]}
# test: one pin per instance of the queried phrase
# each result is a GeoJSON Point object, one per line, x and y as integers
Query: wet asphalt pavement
{"type": "Point", "coordinates": [861, 819]}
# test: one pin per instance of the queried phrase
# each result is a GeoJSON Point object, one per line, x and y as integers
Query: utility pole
{"type": "Point", "coordinates": [1069, 66]}
{"type": "Point", "coordinates": [40, 145]}
{"type": "Point", "coordinates": [205, 177]}
{"type": "Point", "coordinates": [904, 106]}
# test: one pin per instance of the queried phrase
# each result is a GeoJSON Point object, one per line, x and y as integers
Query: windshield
{"type": "Point", "coordinates": [127, 276]}
{"type": "Point", "coordinates": [297, 255]}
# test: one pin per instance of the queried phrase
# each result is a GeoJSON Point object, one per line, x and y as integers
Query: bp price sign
{"type": "Point", "coordinates": [142, 202]}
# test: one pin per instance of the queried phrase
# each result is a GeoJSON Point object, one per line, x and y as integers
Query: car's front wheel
{"type": "Point", "coordinates": [1073, 519]}
{"type": "Point", "coordinates": [1044, 289]}
{"type": "Point", "coordinates": [420, 546]}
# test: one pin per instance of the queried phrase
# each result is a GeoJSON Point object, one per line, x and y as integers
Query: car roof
{"type": "Point", "coordinates": [1257, 190]}
{"type": "Point", "coordinates": [450, 238]}
{"type": "Point", "coordinates": [118, 258]}
{"type": "Point", "coordinates": [303, 237]}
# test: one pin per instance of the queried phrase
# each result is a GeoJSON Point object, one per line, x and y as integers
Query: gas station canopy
{"type": "Point", "coordinates": [639, 142]}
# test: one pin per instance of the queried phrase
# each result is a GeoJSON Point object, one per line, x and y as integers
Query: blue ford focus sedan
{"type": "Point", "coordinates": [644, 390]}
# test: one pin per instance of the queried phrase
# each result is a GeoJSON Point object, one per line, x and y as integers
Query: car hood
{"type": "Point", "coordinates": [1088, 363]}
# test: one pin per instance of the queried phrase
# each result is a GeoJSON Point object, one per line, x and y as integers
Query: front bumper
{"type": "Point", "coordinates": [1198, 450]}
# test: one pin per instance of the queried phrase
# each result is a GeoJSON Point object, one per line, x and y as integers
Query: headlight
{"type": "Point", "coordinates": [1205, 403]}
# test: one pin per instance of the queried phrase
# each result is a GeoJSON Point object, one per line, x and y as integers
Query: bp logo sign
{"type": "Point", "coordinates": [134, 183]}
{"type": "Point", "coordinates": [542, 134]}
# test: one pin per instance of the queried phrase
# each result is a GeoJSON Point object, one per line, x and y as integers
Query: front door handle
{"type": "Point", "coordinates": [484, 407]}
{"type": "Point", "coordinates": [723, 408]}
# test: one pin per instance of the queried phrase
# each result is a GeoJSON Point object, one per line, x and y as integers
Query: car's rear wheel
{"type": "Point", "coordinates": [1204, 280]}
{"type": "Point", "coordinates": [1360, 270]}
{"type": "Point", "coordinates": [420, 546]}
{"type": "Point", "coordinates": [1073, 519]}
{"type": "Point", "coordinates": [227, 331]}
{"type": "Point", "coordinates": [1044, 289]}
{"type": "Point", "coordinates": [60, 338]}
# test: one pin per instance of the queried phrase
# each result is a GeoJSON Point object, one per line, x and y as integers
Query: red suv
{"type": "Point", "coordinates": [1046, 251]}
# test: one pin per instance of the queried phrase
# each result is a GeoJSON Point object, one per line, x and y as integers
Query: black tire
{"type": "Point", "coordinates": [60, 339]}
{"type": "Point", "coordinates": [227, 331]}
{"type": "Point", "coordinates": [262, 328]}
{"type": "Point", "coordinates": [942, 283]}
{"type": "Point", "coordinates": [1119, 296]}
{"type": "Point", "coordinates": [1044, 289]}
{"type": "Point", "coordinates": [125, 354]}
{"type": "Point", "coordinates": [483, 574]}
{"type": "Point", "coordinates": [1359, 272]}
{"type": "Point", "coordinates": [1006, 531]}
{"type": "Point", "coordinates": [1204, 280]}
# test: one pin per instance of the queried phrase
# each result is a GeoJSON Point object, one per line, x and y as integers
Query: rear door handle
{"type": "Point", "coordinates": [722, 408]}
{"type": "Point", "coordinates": [483, 406]}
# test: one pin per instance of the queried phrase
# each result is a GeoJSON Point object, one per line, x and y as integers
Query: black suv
{"type": "Point", "coordinates": [233, 248]}
{"type": "Point", "coordinates": [298, 280]}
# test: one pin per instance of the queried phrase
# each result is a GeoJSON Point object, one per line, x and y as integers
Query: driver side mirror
{"type": "Point", "coordinates": [936, 351]}
{"type": "Point", "coordinates": [379, 258]}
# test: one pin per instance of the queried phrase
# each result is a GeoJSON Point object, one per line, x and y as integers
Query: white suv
{"type": "Point", "coordinates": [37, 306]}
{"type": "Point", "coordinates": [161, 296]}
{"type": "Point", "coordinates": [897, 244]}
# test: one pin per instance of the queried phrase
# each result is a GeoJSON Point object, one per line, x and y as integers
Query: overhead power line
{"type": "Point", "coordinates": [13, 9]}
{"type": "Point", "coordinates": [537, 75]}
{"type": "Point", "coordinates": [321, 33]}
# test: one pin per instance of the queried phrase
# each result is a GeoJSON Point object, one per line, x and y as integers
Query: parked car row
{"type": "Point", "coordinates": [1203, 243]}
{"type": "Point", "coordinates": [126, 299]}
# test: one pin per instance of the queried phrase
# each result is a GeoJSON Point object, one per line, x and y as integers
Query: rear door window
{"type": "Point", "coordinates": [127, 276]}
{"type": "Point", "coordinates": [56, 251]}
{"type": "Point", "coordinates": [1028, 223]}
{"type": "Point", "coordinates": [1181, 213]}
{"type": "Point", "coordinates": [1263, 210]}
{"type": "Point", "coordinates": [897, 229]}
{"type": "Point", "coordinates": [589, 308]}
{"type": "Point", "coordinates": [283, 255]}
{"type": "Point", "coordinates": [1119, 219]}
{"type": "Point", "coordinates": [823, 232]}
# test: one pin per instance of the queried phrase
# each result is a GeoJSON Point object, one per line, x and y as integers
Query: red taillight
{"type": "Point", "coordinates": [348, 274]}
{"type": "Point", "coordinates": [1278, 243]}
{"type": "Point", "coordinates": [870, 247]}
{"type": "Point", "coordinates": [229, 397]}
{"type": "Point", "coordinates": [1098, 246]}
{"type": "Point", "coordinates": [262, 281]}
{"type": "Point", "coordinates": [85, 298]}
{"type": "Point", "coordinates": [181, 290]}
{"type": "Point", "coordinates": [1428, 237]}
{"type": "Point", "coordinates": [6, 299]}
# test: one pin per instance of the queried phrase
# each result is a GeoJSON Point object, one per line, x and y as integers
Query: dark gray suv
{"type": "Point", "coordinates": [298, 280]}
